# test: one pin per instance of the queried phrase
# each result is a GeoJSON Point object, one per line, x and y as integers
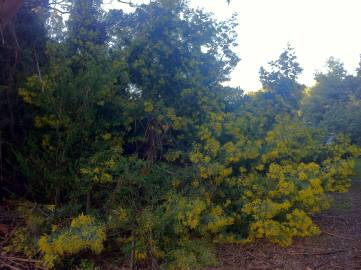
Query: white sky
{"type": "Point", "coordinates": [317, 29]}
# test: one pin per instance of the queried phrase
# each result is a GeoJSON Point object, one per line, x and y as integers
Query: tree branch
{"type": "Point", "coordinates": [126, 3]}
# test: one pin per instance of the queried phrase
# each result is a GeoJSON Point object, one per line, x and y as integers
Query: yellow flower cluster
{"type": "Point", "coordinates": [51, 121]}
{"type": "Point", "coordinates": [337, 177]}
{"type": "Point", "coordinates": [101, 173]}
{"type": "Point", "coordinates": [290, 193]}
{"type": "Point", "coordinates": [27, 95]}
{"type": "Point", "coordinates": [190, 212]}
{"type": "Point", "coordinates": [177, 122]}
{"type": "Point", "coordinates": [83, 233]}
{"type": "Point", "coordinates": [217, 221]}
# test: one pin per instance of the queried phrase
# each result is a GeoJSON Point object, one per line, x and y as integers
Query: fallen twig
{"type": "Point", "coordinates": [2, 263]}
{"type": "Point", "coordinates": [7, 238]}
{"type": "Point", "coordinates": [338, 236]}
{"type": "Point", "coordinates": [341, 267]}
{"type": "Point", "coordinates": [19, 259]}
{"type": "Point", "coordinates": [330, 252]}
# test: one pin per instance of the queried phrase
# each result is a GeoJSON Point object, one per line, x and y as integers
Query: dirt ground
{"type": "Point", "coordinates": [337, 247]}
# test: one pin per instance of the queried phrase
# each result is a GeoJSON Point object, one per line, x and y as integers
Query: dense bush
{"type": "Point", "coordinates": [137, 148]}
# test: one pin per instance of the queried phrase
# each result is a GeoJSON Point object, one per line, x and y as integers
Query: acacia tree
{"type": "Point", "coordinates": [187, 78]}
{"type": "Point", "coordinates": [66, 102]}
{"type": "Point", "coordinates": [22, 53]}
{"type": "Point", "coordinates": [279, 97]}
{"type": "Point", "coordinates": [112, 127]}
{"type": "Point", "coordinates": [334, 102]}
{"type": "Point", "coordinates": [281, 80]}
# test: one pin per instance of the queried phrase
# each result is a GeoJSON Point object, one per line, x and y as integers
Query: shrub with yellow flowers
{"type": "Point", "coordinates": [274, 185]}
{"type": "Point", "coordinates": [83, 233]}
{"type": "Point", "coordinates": [275, 202]}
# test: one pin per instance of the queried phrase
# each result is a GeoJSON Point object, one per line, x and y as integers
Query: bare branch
{"type": "Point", "coordinates": [127, 3]}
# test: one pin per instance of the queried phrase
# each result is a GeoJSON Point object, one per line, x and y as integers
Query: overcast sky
{"type": "Point", "coordinates": [317, 29]}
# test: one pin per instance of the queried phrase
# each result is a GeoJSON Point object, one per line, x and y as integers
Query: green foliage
{"type": "Point", "coordinates": [334, 102]}
{"type": "Point", "coordinates": [88, 265]}
{"type": "Point", "coordinates": [22, 48]}
{"type": "Point", "coordinates": [75, 104]}
{"type": "Point", "coordinates": [281, 80]}
{"type": "Point", "coordinates": [142, 151]}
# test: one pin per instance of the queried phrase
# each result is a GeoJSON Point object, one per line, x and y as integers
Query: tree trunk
{"type": "Point", "coordinates": [8, 10]}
